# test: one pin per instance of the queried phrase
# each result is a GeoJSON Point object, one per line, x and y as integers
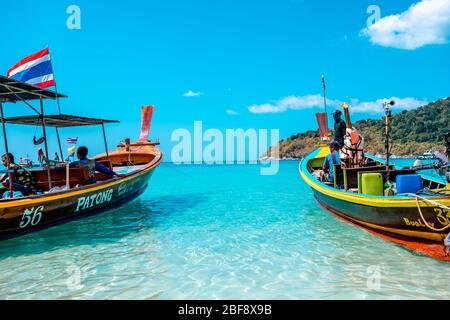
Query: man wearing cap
{"type": "Point", "coordinates": [327, 173]}
{"type": "Point", "coordinates": [339, 128]}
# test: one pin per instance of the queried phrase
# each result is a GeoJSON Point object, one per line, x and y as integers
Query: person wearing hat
{"type": "Point", "coordinates": [339, 128]}
{"type": "Point", "coordinates": [327, 173]}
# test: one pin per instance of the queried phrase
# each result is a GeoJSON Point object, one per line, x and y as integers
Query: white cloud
{"type": "Point", "coordinates": [374, 107]}
{"type": "Point", "coordinates": [292, 102]}
{"type": "Point", "coordinates": [316, 101]}
{"type": "Point", "coordinates": [424, 23]}
{"type": "Point", "coordinates": [190, 93]}
{"type": "Point", "coordinates": [231, 112]}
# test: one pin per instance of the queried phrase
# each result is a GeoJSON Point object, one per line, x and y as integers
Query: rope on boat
{"type": "Point", "coordinates": [437, 204]}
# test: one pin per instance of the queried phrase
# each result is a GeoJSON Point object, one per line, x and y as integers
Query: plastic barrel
{"type": "Point", "coordinates": [372, 184]}
{"type": "Point", "coordinates": [409, 183]}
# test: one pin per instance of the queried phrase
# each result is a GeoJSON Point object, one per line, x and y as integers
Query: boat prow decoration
{"type": "Point", "coordinates": [140, 153]}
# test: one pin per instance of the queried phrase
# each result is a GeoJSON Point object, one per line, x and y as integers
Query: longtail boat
{"type": "Point", "coordinates": [66, 192]}
{"type": "Point", "coordinates": [419, 220]}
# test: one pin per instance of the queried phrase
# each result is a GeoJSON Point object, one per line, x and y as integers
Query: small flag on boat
{"type": "Point", "coordinates": [41, 156]}
{"type": "Point", "coordinates": [38, 141]}
{"type": "Point", "coordinates": [35, 70]}
{"type": "Point", "coordinates": [71, 150]}
{"type": "Point", "coordinates": [72, 140]}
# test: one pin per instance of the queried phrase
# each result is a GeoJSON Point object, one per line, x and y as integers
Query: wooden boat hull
{"type": "Point", "coordinates": [20, 216]}
{"type": "Point", "coordinates": [393, 218]}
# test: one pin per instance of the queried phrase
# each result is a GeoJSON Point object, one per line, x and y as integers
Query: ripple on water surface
{"type": "Point", "coordinates": [216, 232]}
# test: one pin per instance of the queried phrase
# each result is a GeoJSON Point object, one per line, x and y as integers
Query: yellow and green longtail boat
{"type": "Point", "coordinates": [419, 221]}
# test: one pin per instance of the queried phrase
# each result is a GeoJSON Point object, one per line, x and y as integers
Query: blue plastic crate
{"type": "Point", "coordinates": [409, 183]}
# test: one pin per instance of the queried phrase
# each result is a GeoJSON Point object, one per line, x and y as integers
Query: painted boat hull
{"type": "Point", "coordinates": [395, 218]}
{"type": "Point", "coordinates": [25, 215]}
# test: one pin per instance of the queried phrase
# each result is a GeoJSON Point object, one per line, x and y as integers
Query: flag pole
{"type": "Point", "coordinates": [324, 93]}
{"type": "Point", "coordinates": [325, 99]}
{"type": "Point", "coordinates": [59, 109]}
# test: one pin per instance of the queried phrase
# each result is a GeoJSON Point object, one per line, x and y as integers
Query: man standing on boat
{"type": "Point", "coordinates": [91, 165]}
{"type": "Point", "coordinates": [339, 128]}
{"type": "Point", "coordinates": [327, 173]}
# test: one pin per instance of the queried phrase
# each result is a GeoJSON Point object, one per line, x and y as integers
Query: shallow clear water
{"type": "Point", "coordinates": [216, 232]}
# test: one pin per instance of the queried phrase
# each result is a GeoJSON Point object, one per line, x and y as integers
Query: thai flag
{"type": "Point", "coordinates": [36, 70]}
{"type": "Point", "coordinates": [72, 140]}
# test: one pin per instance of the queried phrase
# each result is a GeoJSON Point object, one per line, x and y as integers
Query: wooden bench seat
{"type": "Point", "coordinates": [77, 176]}
{"type": "Point", "coordinates": [371, 163]}
{"type": "Point", "coordinates": [106, 163]}
{"type": "Point", "coordinates": [349, 176]}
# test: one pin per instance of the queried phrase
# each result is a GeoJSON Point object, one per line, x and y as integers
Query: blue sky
{"type": "Point", "coordinates": [237, 54]}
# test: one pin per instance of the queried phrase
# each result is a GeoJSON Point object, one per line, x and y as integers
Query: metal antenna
{"type": "Point", "coordinates": [324, 93]}
{"type": "Point", "coordinates": [387, 106]}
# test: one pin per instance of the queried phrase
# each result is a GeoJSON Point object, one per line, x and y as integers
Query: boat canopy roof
{"type": "Point", "coordinates": [58, 121]}
{"type": "Point", "coordinates": [13, 91]}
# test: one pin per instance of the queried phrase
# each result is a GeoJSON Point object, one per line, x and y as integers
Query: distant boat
{"type": "Point", "coordinates": [67, 195]}
{"type": "Point", "coordinates": [427, 155]}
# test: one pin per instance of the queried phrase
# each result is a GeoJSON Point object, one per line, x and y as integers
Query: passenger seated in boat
{"type": "Point", "coordinates": [327, 173]}
{"type": "Point", "coordinates": [91, 165]}
{"type": "Point", "coordinates": [23, 180]}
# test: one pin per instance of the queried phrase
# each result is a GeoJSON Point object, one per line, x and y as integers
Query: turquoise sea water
{"type": "Point", "coordinates": [216, 232]}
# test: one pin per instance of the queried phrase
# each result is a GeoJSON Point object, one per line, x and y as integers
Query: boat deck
{"type": "Point", "coordinates": [347, 179]}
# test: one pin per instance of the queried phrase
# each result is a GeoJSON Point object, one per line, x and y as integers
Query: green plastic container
{"type": "Point", "coordinates": [372, 184]}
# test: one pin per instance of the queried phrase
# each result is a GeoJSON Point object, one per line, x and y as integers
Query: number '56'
{"type": "Point", "coordinates": [32, 216]}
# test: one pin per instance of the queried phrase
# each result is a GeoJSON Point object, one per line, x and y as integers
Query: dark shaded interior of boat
{"type": "Point", "coordinates": [12, 91]}
{"type": "Point", "coordinates": [349, 179]}
{"type": "Point", "coordinates": [80, 176]}
{"type": "Point", "coordinates": [77, 176]}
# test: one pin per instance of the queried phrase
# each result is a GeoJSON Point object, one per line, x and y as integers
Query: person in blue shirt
{"type": "Point", "coordinates": [91, 165]}
{"type": "Point", "coordinates": [330, 161]}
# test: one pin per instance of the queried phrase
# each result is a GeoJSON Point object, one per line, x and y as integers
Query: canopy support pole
{"type": "Point", "coordinates": [7, 151]}
{"type": "Point", "coordinates": [46, 146]}
{"type": "Point", "coordinates": [59, 144]}
{"type": "Point", "coordinates": [104, 138]}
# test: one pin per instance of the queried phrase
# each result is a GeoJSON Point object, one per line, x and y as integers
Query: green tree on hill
{"type": "Point", "coordinates": [413, 132]}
